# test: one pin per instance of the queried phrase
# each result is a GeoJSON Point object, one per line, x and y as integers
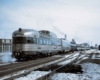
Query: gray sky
{"type": "Point", "coordinates": [79, 19]}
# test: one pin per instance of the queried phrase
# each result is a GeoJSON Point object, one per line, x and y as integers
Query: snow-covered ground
{"type": "Point", "coordinates": [68, 61]}
{"type": "Point", "coordinates": [76, 54]}
{"type": "Point", "coordinates": [33, 75]}
{"type": "Point", "coordinates": [90, 72]}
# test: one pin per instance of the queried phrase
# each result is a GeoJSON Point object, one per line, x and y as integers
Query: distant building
{"type": "Point", "coordinates": [5, 45]}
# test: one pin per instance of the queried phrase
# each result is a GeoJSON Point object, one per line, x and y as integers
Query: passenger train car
{"type": "Point", "coordinates": [73, 47]}
{"type": "Point", "coordinates": [28, 43]}
{"type": "Point", "coordinates": [83, 46]}
{"type": "Point", "coordinates": [99, 47]}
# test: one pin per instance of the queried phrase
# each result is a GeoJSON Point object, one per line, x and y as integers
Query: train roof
{"type": "Point", "coordinates": [73, 44]}
{"type": "Point", "coordinates": [47, 33]}
{"type": "Point", "coordinates": [26, 32]}
{"type": "Point", "coordinates": [23, 30]}
{"type": "Point", "coordinates": [32, 33]}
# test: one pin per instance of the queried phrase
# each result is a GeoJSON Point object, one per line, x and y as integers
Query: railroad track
{"type": "Point", "coordinates": [86, 54]}
{"type": "Point", "coordinates": [95, 52]}
{"type": "Point", "coordinates": [7, 70]}
{"type": "Point", "coordinates": [47, 76]}
{"type": "Point", "coordinates": [30, 65]}
{"type": "Point", "coordinates": [69, 57]}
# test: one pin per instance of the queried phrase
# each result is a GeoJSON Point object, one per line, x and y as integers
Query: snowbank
{"type": "Point", "coordinates": [90, 72]}
{"type": "Point", "coordinates": [33, 75]}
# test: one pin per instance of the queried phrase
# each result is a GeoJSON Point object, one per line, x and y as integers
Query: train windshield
{"type": "Point", "coordinates": [19, 40]}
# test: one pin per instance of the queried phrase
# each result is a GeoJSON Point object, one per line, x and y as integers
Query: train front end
{"type": "Point", "coordinates": [18, 39]}
{"type": "Point", "coordinates": [17, 47]}
{"type": "Point", "coordinates": [22, 43]}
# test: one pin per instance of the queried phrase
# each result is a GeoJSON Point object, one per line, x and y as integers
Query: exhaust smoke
{"type": "Point", "coordinates": [6, 57]}
{"type": "Point", "coordinates": [60, 32]}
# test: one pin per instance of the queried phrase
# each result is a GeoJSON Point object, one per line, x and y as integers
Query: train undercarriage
{"type": "Point", "coordinates": [22, 56]}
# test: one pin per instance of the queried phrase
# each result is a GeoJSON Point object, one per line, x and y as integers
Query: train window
{"type": "Point", "coordinates": [34, 40]}
{"type": "Point", "coordinates": [53, 42]}
{"type": "Point", "coordinates": [47, 32]}
{"type": "Point", "coordinates": [56, 43]}
{"type": "Point", "coordinates": [29, 40]}
{"type": "Point", "coordinates": [19, 40]}
{"type": "Point", "coordinates": [44, 42]}
{"type": "Point", "coordinates": [43, 31]}
{"type": "Point", "coordinates": [37, 41]}
{"type": "Point", "coordinates": [59, 43]}
{"type": "Point", "coordinates": [40, 41]}
{"type": "Point", "coordinates": [47, 42]}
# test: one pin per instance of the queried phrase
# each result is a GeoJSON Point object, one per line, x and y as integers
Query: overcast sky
{"type": "Point", "coordinates": [79, 19]}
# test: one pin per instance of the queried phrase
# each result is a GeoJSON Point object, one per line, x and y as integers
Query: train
{"type": "Point", "coordinates": [31, 44]}
{"type": "Point", "coordinates": [73, 47]}
{"type": "Point", "coordinates": [83, 46]}
{"type": "Point", "coordinates": [98, 47]}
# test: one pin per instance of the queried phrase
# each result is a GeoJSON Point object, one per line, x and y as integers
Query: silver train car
{"type": "Point", "coordinates": [30, 44]}
{"type": "Point", "coordinates": [83, 46]}
{"type": "Point", "coordinates": [73, 47]}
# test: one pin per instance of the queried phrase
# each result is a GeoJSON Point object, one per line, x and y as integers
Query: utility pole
{"type": "Point", "coordinates": [91, 44]}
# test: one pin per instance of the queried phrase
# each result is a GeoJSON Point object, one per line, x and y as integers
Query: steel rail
{"type": "Point", "coordinates": [47, 76]}
{"type": "Point", "coordinates": [13, 77]}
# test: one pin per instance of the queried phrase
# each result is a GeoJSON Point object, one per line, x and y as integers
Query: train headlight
{"type": "Point", "coordinates": [18, 53]}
